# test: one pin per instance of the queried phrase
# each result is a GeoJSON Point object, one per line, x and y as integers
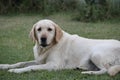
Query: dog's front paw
{"type": "Point", "coordinates": [16, 71]}
{"type": "Point", "coordinates": [4, 66]}
{"type": "Point", "coordinates": [87, 72]}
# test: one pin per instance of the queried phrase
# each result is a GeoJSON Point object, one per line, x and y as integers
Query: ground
{"type": "Point", "coordinates": [16, 46]}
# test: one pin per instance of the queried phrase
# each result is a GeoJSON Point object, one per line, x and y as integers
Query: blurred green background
{"type": "Point", "coordinates": [84, 10]}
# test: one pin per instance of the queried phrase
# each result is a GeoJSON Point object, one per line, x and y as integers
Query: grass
{"type": "Point", "coordinates": [15, 45]}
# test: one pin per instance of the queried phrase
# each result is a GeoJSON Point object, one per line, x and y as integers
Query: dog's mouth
{"type": "Point", "coordinates": [44, 45]}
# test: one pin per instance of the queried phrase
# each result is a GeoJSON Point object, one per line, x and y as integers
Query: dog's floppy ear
{"type": "Point", "coordinates": [58, 33]}
{"type": "Point", "coordinates": [33, 34]}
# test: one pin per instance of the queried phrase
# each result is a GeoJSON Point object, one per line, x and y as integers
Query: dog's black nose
{"type": "Point", "coordinates": [43, 40]}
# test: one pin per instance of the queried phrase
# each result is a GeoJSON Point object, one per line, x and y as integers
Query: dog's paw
{"type": "Point", "coordinates": [16, 71]}
{"type": "Point", "coordinates": [112, 72]}
{"type": "Point", "coordinates": [87, 72]}
{"type": "Point", "coordinates": [4, 66]}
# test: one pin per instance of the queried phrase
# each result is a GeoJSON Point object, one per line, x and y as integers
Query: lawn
{"type": "Point", "coordinates": [16, 46]}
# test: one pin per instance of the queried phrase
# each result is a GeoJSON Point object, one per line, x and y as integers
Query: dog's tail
{"type": "Point", "coordinates": [112, 71]}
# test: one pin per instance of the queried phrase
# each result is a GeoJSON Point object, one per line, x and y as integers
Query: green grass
{"type": "Point", "coordinates": [15, 45]}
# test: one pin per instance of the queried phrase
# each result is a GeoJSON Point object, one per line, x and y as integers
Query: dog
{"type": "Point", "coordinates": [56, 49]}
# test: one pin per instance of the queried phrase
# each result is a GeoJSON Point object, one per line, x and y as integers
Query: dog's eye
{"type": "Point", "coordinates": [39, 29]}
{"type": "Point", "coordinates": [49, 29]}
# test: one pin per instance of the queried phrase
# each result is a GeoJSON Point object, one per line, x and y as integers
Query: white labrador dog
{"type": "Point", "coordinates": [55, 49]}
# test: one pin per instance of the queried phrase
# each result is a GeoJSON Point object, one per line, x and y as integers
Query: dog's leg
{"type": "Point", "coordinates": [16, 65]}
{"type": "Point", "coordinates": [102, 71]}
{"type": "Point", "coordinates": [47, 66]}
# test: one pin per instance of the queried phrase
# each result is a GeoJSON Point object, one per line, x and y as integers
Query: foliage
{"type": "Point", "coordinates": [114, 7]}
{"type": "Point", "coordinates": [37, 6]}
{"type": "Point", "coordinates": [96, 10]}
{"type": "Point", "coordinates": [92, 11]}
{"type": "Point", "coordinates": [84, 10]}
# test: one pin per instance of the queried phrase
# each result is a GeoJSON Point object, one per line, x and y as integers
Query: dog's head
{"type": "Point", "coordinates": [45, 32]}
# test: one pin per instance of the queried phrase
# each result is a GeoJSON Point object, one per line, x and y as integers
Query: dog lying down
{"type": "Point", "coordinates": [56, 49]}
